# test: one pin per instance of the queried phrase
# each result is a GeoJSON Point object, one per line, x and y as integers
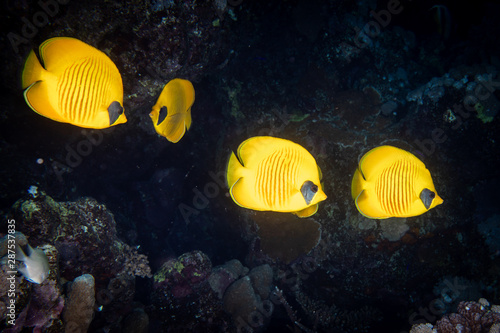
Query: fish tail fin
{"type": "Point", "coordinates": [357, 184]}
{"type": "Point", "coordinates": [175, 127]}
{"type": "Point", "coordinates": [32, 71]}
{"type": "Point", "coordinates": [234, 168]}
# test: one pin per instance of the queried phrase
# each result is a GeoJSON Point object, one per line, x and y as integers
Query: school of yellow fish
{"type": "Point", "coordinates": [75, 83]}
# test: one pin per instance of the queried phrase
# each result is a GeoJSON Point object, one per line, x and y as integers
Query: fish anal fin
{"type": "Point", "coordinates": [38, 99]}
{"type": "Point", "coordinates": [308, 211]}
{"type": "Point", "coordinates": [175, 127]}
{"type": "Point", "coordinates": [233, 171]}
{"type": "Point", "coordinates": [239, 193]}
{"type": "Point", "coordinates": [367, 206]}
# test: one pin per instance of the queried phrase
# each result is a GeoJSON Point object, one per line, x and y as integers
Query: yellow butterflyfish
{"type": "Point", "coordinates": [273, 174]}
{"type": "Point", "coordinates": [171, 114]}
{"type": "Point", "coordinates": [391, 182]}
{"type": "Point", "coordinates": [77, 84]}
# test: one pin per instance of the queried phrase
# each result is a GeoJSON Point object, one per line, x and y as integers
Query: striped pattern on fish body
{"type": "Point", "coordinates": [270, 173]}
{"type": "Point", "coordinates": [274, 189]}
{"type": "Point", "coordinates": [391, 182]}
{"type": "Point", "coordinates": [79, 85]}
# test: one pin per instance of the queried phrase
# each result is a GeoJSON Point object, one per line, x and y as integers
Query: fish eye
{"type": "Point", "coordinates": [314, 188]}
{"type": "Point", "coordinates": [432, 195]}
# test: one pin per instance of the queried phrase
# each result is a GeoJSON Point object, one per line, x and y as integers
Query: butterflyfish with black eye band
{"type": "Point", "coordinates": [273, 174]}
{"type": "Point", "coordinates": [391, 182]}
{"type": "Point", "coordinates": [77, 84]}
{"type": "Point", "coordinates": [171, 114]}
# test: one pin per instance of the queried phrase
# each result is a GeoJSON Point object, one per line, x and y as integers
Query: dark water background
{"type": "Point", "coordinates": [325, 74]}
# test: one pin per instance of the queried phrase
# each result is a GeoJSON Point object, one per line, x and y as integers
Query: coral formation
{"type": "Point", "coordinates": [79, 309]}
{"type": "Point", "coordinates": [245, 298]}
{"type": "Point", "coordinates": [84, 233]}
{"type": "Point", "coordinates": [473, 317]}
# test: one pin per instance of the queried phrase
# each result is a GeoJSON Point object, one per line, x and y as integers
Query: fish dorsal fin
{"type": "Point", "coordinates": [308, 211]}
{"type": "Point", "coordinates": [253, 150]}
{"type": "Point", "coordinates": [366, 206]}
{"type": "Point", "coordinates": [60, 52]}
{"type": "Point", "coordinates": [20, 255]}
{"type": "Point", "coordinates": [378, 159]}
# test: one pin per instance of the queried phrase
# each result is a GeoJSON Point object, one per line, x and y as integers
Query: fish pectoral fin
{"type": "Point", "coordinates": [36, 97]}
{"type": "Point", "coordinates": [367, 206]}
{"type": "Point", "coordinates": [174, 127]}
{"type": "Point", "coordinates": [308, 211]}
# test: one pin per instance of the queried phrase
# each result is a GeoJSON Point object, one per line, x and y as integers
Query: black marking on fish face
{"type": "Point", "coordinates": [115, 110]}
{"type": "Point", "coordinates": [361, 172]}
{"type": "Point", "coordinates": [427, 196]}
{"type": "Point", "coordinates": [162, 115]}
{"type": "Point", "coordinates": [308, 190]}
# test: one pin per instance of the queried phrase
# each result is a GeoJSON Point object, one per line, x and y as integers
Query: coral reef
{"type": "Point", "coordinates": [473, 317]}
{"type": "Point", "coordinates": [182, 293]}
{"type": "Point", "coordinates": [85, 240]}
{"type": "Point", "coordinates": [338, 77]}
{"type": "Point", "coordinates": [84, 233]}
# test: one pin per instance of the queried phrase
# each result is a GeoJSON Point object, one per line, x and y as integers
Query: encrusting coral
{"type": "Point", "coordinates": [472, 317]}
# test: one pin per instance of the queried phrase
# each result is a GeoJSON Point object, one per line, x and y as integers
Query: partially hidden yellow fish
{"type": "Point", "coordinates": [171, 114]}
{"type": "Point", "coordinates": [275, 174]}
{"type": "Point", "coordinates": [391, 182]}
{"type": "Point", "coordinates": [77, 84]}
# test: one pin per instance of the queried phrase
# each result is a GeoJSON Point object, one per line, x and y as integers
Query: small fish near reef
{"type": "Point", "coordinates": [77, 84]}
{"type": "Point", "coordinates": [391, 182]}
{"type": "Point", "coordinates": [171, 114]}
{"type": "Point", "coordinates": [273, 174]}
{"type": "Point", "coordinates": [35, 265]}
